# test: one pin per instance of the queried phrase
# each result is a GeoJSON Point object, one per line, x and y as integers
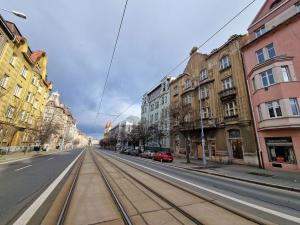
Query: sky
{"type": "Point", "coordinates": [78, 37]}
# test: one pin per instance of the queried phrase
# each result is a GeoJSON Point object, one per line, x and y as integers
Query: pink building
{"type": "Point", "coordinates": [272, 66]}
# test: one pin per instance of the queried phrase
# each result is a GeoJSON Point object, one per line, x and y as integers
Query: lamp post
{"type": "Point", "coordinates": [18, 14]}
{"type": "Point", "coordinates": [202, 131]}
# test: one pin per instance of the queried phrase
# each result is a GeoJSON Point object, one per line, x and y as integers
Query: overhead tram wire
{"type": "Point", "coordinates": [111, 61]}
{"type": "Point", "coordinates": [200, 46]}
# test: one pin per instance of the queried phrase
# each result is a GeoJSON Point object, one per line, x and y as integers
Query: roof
{"type": "Point", "coordinates": [36, 55]}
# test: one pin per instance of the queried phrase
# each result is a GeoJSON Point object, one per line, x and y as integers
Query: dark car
{"type": "Point", "coordinates": [134, 152]}
{"type": "Point", "coordinates": [163, 157]}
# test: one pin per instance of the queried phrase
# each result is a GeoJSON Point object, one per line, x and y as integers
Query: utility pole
{"type": "Point", "coordinates": [202, 132]}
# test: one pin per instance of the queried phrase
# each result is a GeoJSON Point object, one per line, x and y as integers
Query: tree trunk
{"type": "Point", "coordinates": [188, 154]}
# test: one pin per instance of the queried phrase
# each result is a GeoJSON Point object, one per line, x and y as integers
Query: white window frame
{"type": "Point", "coordinates": [260, 31]}
{"type": "Point", "coordinates": [230, 109]}
{"type": "Point", "coordinates": [33, 80]}
{"type": "Point", "coordinates": [17, 91]}
{"type": "Point", "coordinates": [224, 62]}
{"type": "Point", "coordinates": [274, 105]}
{"type": "Point", "coordinates": [271, 44]}
{"type": "Point", "coordinates": [203, 92]}
{"type": "Point", "coordinates": [205, 112]}
{"type": "Point", "coordinates": [4, 81]}
{"type": "Point", "coordinates": [10, 112]}
{"type": "Point", "coordinates": [298, 7]}
{"type": "Point", "coordinates": [24, 71]}
{"type": "Point", "coordinates": [203, 74]}
{"type": "Point", "coordinates": [12, 59]}
{"type": "Point", "coordinates": [227, 83]}
{"type": "Point", "coordinates": [23, 115]}
{"type": "Point", "coordinates": [267, 75]}
{"type": "Point", "coordinates": [40, 88]}
{"type": "Point", "coordinates": [258, 53]}
{"type": "Point", "coordinates": [188, 83]}
{"type": "Point", "coordinates": [286, 75]}
{"type": "Point", "coordinates": [294, 102]}
{"type": "Point", "coordinates": [28, 97]}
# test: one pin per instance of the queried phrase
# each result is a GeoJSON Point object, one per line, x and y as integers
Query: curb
{"type": "Point", "coordinates": [242, 179]}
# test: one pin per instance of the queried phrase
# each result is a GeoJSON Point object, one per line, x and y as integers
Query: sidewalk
{"type": "Point", "coordinates": [15, 156]}
{"type": "Point", "coordinates": [280, 179]}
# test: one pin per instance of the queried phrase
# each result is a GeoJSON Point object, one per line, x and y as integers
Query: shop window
{"type": "Point", "coordinates": [281, 150]}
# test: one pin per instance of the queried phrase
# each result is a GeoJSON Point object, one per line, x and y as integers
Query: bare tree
{"type": "Point", "coordinates": [134, 136]}
{"type": "Point", "coordinates": [46, 131]}
{"type": "Point", "coordinates": [180, 124]}
{"type": "Point", "coordinates": [145, 133]}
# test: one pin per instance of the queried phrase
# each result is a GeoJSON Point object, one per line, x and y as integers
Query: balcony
{"type": "Point", "coordinates": [227, 94]}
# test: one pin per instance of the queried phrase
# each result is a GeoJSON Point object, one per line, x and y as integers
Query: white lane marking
{"type": "Point", "coordinates": [50, 158]}
{"type": "Point", "coordinates": [31, 210]}
{"type": "Point", "coordinates": [22, 168]}
{"type": "Point", "coordinates": [270, 211]}
{"type": "Point", "coordinates": [32, 157]}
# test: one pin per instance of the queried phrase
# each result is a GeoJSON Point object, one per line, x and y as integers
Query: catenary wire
{"type": "Point", "coordinates": [111, 60]}
{"type": "Point", "coordinates": [200, 46]}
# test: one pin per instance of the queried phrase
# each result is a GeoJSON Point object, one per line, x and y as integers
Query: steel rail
{"type": "Point", "coordinates": [67, 201]}
{"type": "Point", "coordinates": [227, 208]}
{"type": "Point", "coordinates": [187, 215]}
{"type": "Point", "coordinates": [118, 203]}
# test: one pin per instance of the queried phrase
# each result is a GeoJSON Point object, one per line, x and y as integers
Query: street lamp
{"type": "Point", "coordinates": [18, 14]}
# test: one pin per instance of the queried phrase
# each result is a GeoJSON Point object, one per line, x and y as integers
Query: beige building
{"type": "Point", "coordinates": [60, 117]}
{"type": "Point", "coordinates": [217, 80]}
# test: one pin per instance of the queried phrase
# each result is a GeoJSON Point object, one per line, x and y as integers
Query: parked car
{"type": "Point", "coordinates": [125, 151]}
{"type": "Point", "coordinates": [148, 154]}
{"type": "Point", "coordinates": [134, 152]}
{"type": "Point", "coordinates": [163, 157]}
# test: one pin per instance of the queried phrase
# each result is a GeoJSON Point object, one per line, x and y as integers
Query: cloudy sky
{"type": "Point", "coordinates": [78, 37]}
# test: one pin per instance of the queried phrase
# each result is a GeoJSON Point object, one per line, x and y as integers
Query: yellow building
{"type": "Point", "coordinates": [24, 90]}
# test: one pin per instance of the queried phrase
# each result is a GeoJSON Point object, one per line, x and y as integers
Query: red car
{"type": "Point", "coordinates": [163, 157]}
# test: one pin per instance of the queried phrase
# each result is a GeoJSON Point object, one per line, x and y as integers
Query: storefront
{"type": "Point", "coordinates": [280, 151]}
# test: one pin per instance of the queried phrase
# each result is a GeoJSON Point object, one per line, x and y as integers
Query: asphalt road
{"type": "Point", "coordinates": [278, 206]}
{"type": "Point", "coordinates": [23, 181]}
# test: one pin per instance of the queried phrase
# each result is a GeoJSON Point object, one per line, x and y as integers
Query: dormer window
{"type": "Point", "coordinates": [224, 62]}
{"type": "Point", "coordinates": [203, 74]}
{"type": "Point", "coordinates": [260, 32]}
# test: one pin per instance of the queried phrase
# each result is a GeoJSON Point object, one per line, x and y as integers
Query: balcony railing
{"type": "Point", "coordinates": [227, 94]}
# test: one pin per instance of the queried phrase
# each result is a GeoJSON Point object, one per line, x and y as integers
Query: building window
{"type": "Point", "coordinates": [254, 84]}
{"type": "Point", "coordinates": [10, 112]}
{"type": "Point", "coordinates": [285, 73]}
{"type": "Point", "coordinates": [187, 118]}
{"type": "Point", "coordinates": [17, 91]}
{"type": "Point", "coordinates": [203, 74]}
{"type": "Point", "coordinates": [22, 115]}
{"type": "Point", "coordinates": [204, 92]}
{"type": "Point", "coordinates": [298, 7]}
{"type": "Point", "coordinates": [4, 81]}
{"type": "Point", "coordinates": [267, 78]}
{"type": "Point", "coordinates": [156, 116]}
{"type": "Point", "coordinates": [227, 83]}
{"type": "Point", "coordinates": [260, 56]}
{"type": "Point", "coordinates": [164, 87]}
{"type": "Point", "coordinates": [24, 72]}
{"type": "Point", "coordinates": [35, 104]}
{"type": "Point", "coordinates": [28, 97]}
{"type": "Point", "coordinates": [230, 109]}
{"type": "Point", "coordinates": [187, 100]}
{"type": "Point", "coordinates": [176, 90]}
{"type": "Point", "coordinates": [260, 112]}
{"type": "Point", "coordinates": [294, 106]}
{"type": "Point", "coordinates": [162, 100]}
{"type": "Point", "coordinates": [12, 60]}
{"type": "Point", "coordinates": [33, 80]}
{"type": "Point", "coordinates": [29, 120]}
{"type": "Point", "coordinates": [271, 51]}
{"type": "Point", "coordinates": [188, 83]}
{"type": "Point", "coordinates": [205, 112]}
{"type": "Point", "coordinates": [224, 62]}
{"type": "Point", "coordinates": [156, 104]}
{"type": "Point", "coordinates": [281, 150]}
{"type": "Point", "coordinates": [260, 32]}
{"type": "Point", "coordinates": [274, 109]}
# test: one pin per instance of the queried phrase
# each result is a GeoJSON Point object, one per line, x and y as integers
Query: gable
{"type": "Point", "coordinates": [268, 6]}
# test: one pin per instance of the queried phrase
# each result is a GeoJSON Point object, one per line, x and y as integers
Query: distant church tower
{"type": "Point", "coordinates": [108, 127]}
